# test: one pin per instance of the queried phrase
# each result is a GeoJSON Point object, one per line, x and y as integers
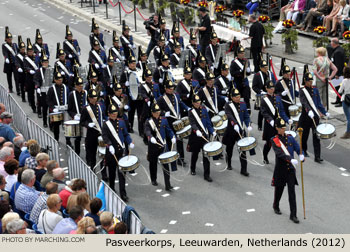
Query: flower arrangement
{"type": "Point", "coordinates": [184, 2]}
{"type": "Point", "coordinates": [288, 23]}
{"type": "Point", "coordinates": [264, 18]}
{"type": "Point", "coordinates": [238, 13]}
{"type": "Point", "coordinates": [346, 35]}
{"type": "Point", "coordinates": [320, 29]}
{"type": "Point", "coordinates": [202, 4]}
{"type": "Point", "coordinates": [220, 8]}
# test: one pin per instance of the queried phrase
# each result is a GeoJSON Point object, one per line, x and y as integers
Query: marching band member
{"type": "Point", "coordinates": [76, 101]}
{"type": "Point", "coordinates": [286, 89]}
{"type": "Point", "coordinates": [200, 71]}
{"type": "Point", "coordinates": [187, 87]}
{"type": "Point", "coordinates": [30, 68]}
{"type": "Point", "coordinates": [41, 87]}
{"type": "Point", "coordinates": [159, 50]}
{"type": "Point", "coordinates": [157, 131]}
{"type": "Point", "coordinates": [201, 129]}
{"type": "Point", "coordinates": [161, 72]}
{"type": "Point", "coordinates": [211, 51]}
{"type": "Point", "coordinates": [115, 135]}
{"type": "Point", "coordinates": [162, 30]}
{"type": "Point", "coordinates": [258, 86]}
{"type": "Point", "coordinates": [175, 31]}
{"type": "Point", "coordinates": [172, 106]}
{"type": "Point", "coordinates": [57, 99]}
{"type": "Point", "coordinates": [71, 47]}
{"type": "Point", "coordinates": [271, 108]}
{"type": "Point", "coordinates": [39, 45]}
{"type": "Point", "coordinates": [21, 75]}
{"type": "Point", "coordinates": [194, 48]}
{"type": "Point", "coordinates": [142, 59]}
{"type": "Point", "coordinates": [91, 118]}
{"type": "Point", "coordinates": [237, 114]}
{"type": "Point", "coordinates": [107, 74]}
{"type": "Point", "coordinates": [9, 50]}
{"type": "Point", "coordinates": [176, 56]}
{"type": "Point", "coordinates": [240, 69]}
{"type": "Point", "coordinates": [127, 40]}
{"type": "Point", "coordinates": [63, 66]}
{"type": "Point", "coordinates": [224, 81]}
{"type": "Point", "coordinates": [284, 173]}
{"type": "Point", "coordinates": [94, 83]}
{"type": "Point", "coordinates": [96, 35]}
{"type": "Point", "coordinates": [117, 51]}
{"type": "Point", "coordinates": [98, 58]}
{"type": "Point", "coordinates": [312, 111]}
{"type": "Point", "coordinates": [120, 100]}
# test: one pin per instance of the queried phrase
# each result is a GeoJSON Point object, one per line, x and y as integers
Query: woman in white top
{"type": "Point", "coordinates": [11, 167]}
{"type": "Point", "coordinates": [295, 8]}
{"type": "Point", "coordinates": [343, 14]}
{"type": "Point", "coordinates": [345, 90]}
{"type": "Point", "coordinates": [49, 218]}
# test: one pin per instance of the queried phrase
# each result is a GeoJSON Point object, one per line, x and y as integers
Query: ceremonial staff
{"type": "Point", "coordinates": [300, 131]}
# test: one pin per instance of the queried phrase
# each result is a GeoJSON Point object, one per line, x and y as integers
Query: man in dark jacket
{"type": "Point", "coordinates": [338, 59]}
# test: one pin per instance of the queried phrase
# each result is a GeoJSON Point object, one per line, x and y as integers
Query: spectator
{"type": "Point", "coordinates": [83, 225]}
{"type": "Point", "coordinates": [120, 228]}
{"type": "Point", "coordinates": [41, 159]}
{"type": "Point", "coordinates": [18, 141]}
{"type": "Point", "coordinates": [308, 5]}
{"type": "Point", "coordinates": [3, 194]}
{"type": "Point", "coordinates": [7, 132]}
{"type": "Point", "coordinates": [252, 6]}
{"type": "Point", "coordinates": [11, 168]}
{"type": "Point", "coordinates": [345, 90]}
{"type": "Point", "coordinates": [48, 176]}
{"type": "Point", "coordinates": [320, 10]}
{"type": "Point", "coordinates": [95, 206]}
{"type": "Point", "coordinates": [59, 177]}
{"type": "Point", "coordinates": [321, 67]}
{"type": "Point", "coordinates": [25, 152]}
{"type": "Point", "coordinates": [338, 59]}
{"type": "Point", "coordinates": [2, 108]}
{"type": "Point", "coordinates": [295, 9]}
{"type": "Point", "coordinates": [8, 217]}
{"type": "Point", "coordinates": [26, 195]}
{"type": "Point", "coordinates": [327, 20]}
{"type": "Point", "coordinates": [40, 204]}
{"type": "Point", "coordinates": [30, 162]}
{"type": "Point", "coordinates": [83, 200]}
{"type": "Point", "coordinates": [49, 218]}
{"type": "Point", "coordinates": [66, 225]}
{"type": "Point", "coordinates": [77, 186]}
{"type": "Point", "coordinates": [16, 227]}
{"type": "Point", "coordinates": [342, 15]}
{"type": "Point", "coordinates": [17, 184]}
{"type": "Point", "coordinates": [6, 118]}
{"type": "Point", "coordinates": [2, 141]}
{"type": "Point", "coordinates": [4, 209]}
{"type": "Point", "coordinates": [6, 153]}
{"type": "Point", "coordinates": [106, 220]}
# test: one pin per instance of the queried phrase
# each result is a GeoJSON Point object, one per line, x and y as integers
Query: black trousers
{"type": "Point", "coordinates": [256, 51]}
{"type": "Point", "coordinates": [136, 105]}
{"type": "Point", "coordinates": [56, 130]}
{"type": "Point", "coordinates": [337, 100]}
{"type": "Point", "coordinates": [266, 150]}
{"type": "Point", "coordinates": [12, 70]}
{"type": "Point", "coordinates": [42, 106]}
{"type": "Point", "coordinates": [30, 87]}
{"type": "Point", "coordinates": [242, 157]}
{"type": "Point", "coordinates": [291, 195]}
{"type": "Point", "coordinates": [91, 144]}
{"type": "Point", "coordinates": [315, 141]}
{"type": "Point", "coordinates": [112, 169]}
{"type": "Point", "coordinates": [245, 94]}
{"type": "Point", "coordinates": [206, 163]}
{"type": "Point", "coordinates": [22, 84]}
{"type": "Point", "coordinates": [204, 42]}
{"type": "Point", "coordinates": [153, 171]}
{"type": "Point", "coordinates": [260, 120]}
{"type": "Point", "coordinates": [77, 141]}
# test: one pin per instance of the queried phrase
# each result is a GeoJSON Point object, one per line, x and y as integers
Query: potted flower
{"type": "Point", "coordinates": [290, 36]}
{"type": "Point", "coordinates": [268, 28]}
{"type": "Point", "coordinates": [220, 8]}
{"type": "Point", "coordinates": [263, 19]}
{"type": "Point", "coordinates": [184, 2]}
{"type": "Point", "coordinates": [202, 4]}
{"type": "Point", "coordinates": [346, 46]}
{"type": "Point", "coordinates": [322, 40]}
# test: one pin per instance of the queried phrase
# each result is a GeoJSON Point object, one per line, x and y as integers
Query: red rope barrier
{"type": "Point", "coordinates": [125, 9]}
{"type": "Point", "coordinates": [297, 79]}
{"type": "Point", "coordinates": [113, 5]}
{"type": "Point", "coordinates": [141, 14]}
{"type": "Point", "coordinates": [184, 27]}
{"type": "Point", "coordinates": [273, 69]}
{"type": "Point", "coordinates": [336, 92]}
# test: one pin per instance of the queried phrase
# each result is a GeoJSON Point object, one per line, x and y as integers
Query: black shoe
{"type": "Point", "coordinates": [208, 179]}
{"type": "Point", "coordinates": [338, 105]}
{"type": "Point", "coordinates": [125, 198]}
{"type": "Point", "coordinates": [131, 131]}
{"type": "Point", "coordinates": [260, 128]}
{"type": "Point", "coordinates": [169, 188]}
{"type": "Point", "coordinates": [19, 94]}
{"type": "Point", "coordinates": [306, 154]}
{"type": "Point", "coordinates": [334, 103]}
{"type": "Point", "coordinates": [318, 160]}
{"type": "Point", "coordinates": [266, 161]}
{"type": "Point", "coordinates": [45, 125]}
{"type": "Point", "coordinates": [34, 110]}
{"type": "Point", "coordinates": [193, 173]}
{"type": "Point", "coordinates": [229, 167]}
{"type": "Point", "coordinates": [277, 211]}
{"type": "Point", "coordinates": [245, 174]}
{"type": "Point", "coordinates": [145, 142]}
{"type": "Point", "coordinates": [24, 100]}
{"type": "Point", "coordinates": [40, 116]}
{"type": "Point", "coordinates": [154, 183]}
{"type": "Point", "coordinates": [294, 219]}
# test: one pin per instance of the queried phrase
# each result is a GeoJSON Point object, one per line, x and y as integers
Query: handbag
{"type": "Point", "coordinates": [347, 99]}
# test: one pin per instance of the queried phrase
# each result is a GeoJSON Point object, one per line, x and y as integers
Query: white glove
{"type": "Point", "coordinates": [7, 61]}
{"type": "Point", "coordinates": [198, 133]}
{"type": "Point", "coordinates": [149, 103]}
{"type": "Point", "coordinates": [130, 46]}
{"type": "Point", "coordinates": [212, 69]}
{"type": "Point", "coordinates": [229, 77]}
{"type": "Point", "coordinates": [105, 47]}
{"type": "Point", "coordinates": [32, 72]}
{"type": "Point", "coordinates": [126, 107]}
{"type": "Point", "coordinates": [55, 110]}
{"type": "Point", "coordinates": [153, 140]}
{"type": "Point", "coordinates": [104, 66]}
{"type": "Point", "coordinates": [117, 60]}
{"type": "Point", "coordinates": [63, 73]}
{"type": "Point", "coordinates": [327, 115]}
{"type": "Point", "coordinates": [223, 92]}
{"type": "Point", "coordinates": [123, 57]}
{"type": "Point", "coordinates": [39, 54]}
{"type": "Point", "coordinates": [188, 95]}
{"type": "Point", "coordinates": [294, 161]}
{"type": "Point", "coordinates": [97, 66]}
{"type": "Point", "coordinates": [214, 134]}
{"type": "Point", "coordinates": [263, 92]}
{"type": "Point", "coordinates": [71, 75]}
{"type": "Point", "coordinates": [101, 93]}
{"type": "Point", "coordinates": [272, 123]}
{"type": "Point", "coordinates": [160, 80]}
{"type": "Point", "coordinates": [290, 121]}
{"type": "Point", "coordinates": [20, 70]}
{"type": "Point", "coordinates": [70, 56]}
{"type": "Point", "coordinates": [38, 90]}
{"type": "Point", "coordinates": [301, 157]}
{"type": "Point", "coordinates": [167, 114]}
{"type": "Point", "coordinates": [132, 146]}
{"type": "Point", "coordinates": [77, 117]}
{"type": "Point", "coordinates": [284, 93]}
{"type": "Point", "coordinates": [173, 140]}
{"type": "Point", "coordinates": [91, 125]}
{"type": "Point", "coordinates": [127, 83]}
{"type": "Point", "coordinates": [226, 99]}
{"type": "Point", "coordinates": [311, 114]}
{"type": "Point", "coordinates": [250, 128]}
{"type": "Point", "coordinates": [134, 46]}
{"type": "Point", "coordinates": [111, 149]}
{"type": "Point", "coordinates": [248, 70]}
{"type": "Point", "coordinates": [111, 85]}
{"type": "Point", "coordinates": [166, 43]}
{"type": "Point", "coordinates": [79, 53]}
{"type": "Point", "coordinates": [236, 128]}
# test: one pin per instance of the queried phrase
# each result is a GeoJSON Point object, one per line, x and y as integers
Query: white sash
{"type": "Point", "coordinates": [235, 112]}
{"type": "Point", "coordinates": [99, 43]}
{"type": "Point", "coordinates": [114, 133]}
{"type": "Point", "coordinates": [210, 100]}
{"type": "Point", "coordinates": [109, 73]}
{"type": "Point", "coordinates": [20, 56]}
{"type": "Point", "coordinates": [71, 47]}
{"type": "Point", "coordinates": [201, 71]}
{"type": "Point", "coordinates": [93, 117]}
{"type": "Point", "coordinates": [284, 85]}
{"type": "Point", "coordinates": [184, 82]}
{"type": "Point", "coordinates": [30, 61]}
{"type": "Point", "coordinates": [212, 52]}
{"type": "Point", "coordinates": [141, 67]}
{"type": "Point", "coordinates": [193, 51]}
{"type": "Point", "coordinates": [170, 105]}
{"type": "Point", "coordinates": [76, 101]}
{"type": "Point", "coordinates": [270, 75]}
{"type": "Point", "coordinates": [10, 49]}
{"type": "Point", "coordinates": [269, 104]}
{"type": "Point", "coordinates": [154, 128]}
{"type": "Point", "coordinates": [223, 83]}
{"type": "Point", "coordinates": [148, 90]}
{"type": "Point", "coordinates": [199, 121]}
{"type": "Point", "coordinates": [43, 87]}
{"type": "Point", "coordinates": [283, 147]}
{"type": "Point", "coordinates": [117, 100]}
{"type": "Point", "coordinates": [262, 78]}
{"type": "Point", "coordinates": [64, 93]}
{"type": "Point", "coordinates": [311, 102]}
{"type": "Point", "coordinates": [98, 58]}
{"type": "Point", "coordinates": [63, 67]}
{"type": "Point", "coordinates": [117, 53]}
{"type": "Point", "coordinates": [176, 57]}
{"type": "Point", "coordinates": [239, 64]}
{"type": "Point", "coordinates": [126, 40]}
{"type": "Point", "coordinates": [38, 48]}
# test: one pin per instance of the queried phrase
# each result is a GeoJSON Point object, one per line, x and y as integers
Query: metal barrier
{"type": "Point", "coordinates": [4, 97]}
{"type": "Point", "coordinates": [19, 117]}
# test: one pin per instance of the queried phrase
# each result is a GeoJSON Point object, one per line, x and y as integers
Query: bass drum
{"type": "Point", "coordinates": [48, 78]}
{"type": "Point", "coordinates": [134, 83]}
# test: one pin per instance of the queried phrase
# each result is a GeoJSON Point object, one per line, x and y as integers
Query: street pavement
{"type": "Point", "coordinates": [230, 204]}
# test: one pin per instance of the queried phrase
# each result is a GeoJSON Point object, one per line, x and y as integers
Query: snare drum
{"type": "Point", "coordinates": [300, 107]}
{"type": "Point", "coordinates": [292, 133]}
{"type": "Point", "coordinates": [247, 143]}
{"type": "Point", "coordinates": [295, 119]}
{"type": "Point", "coordinates": [168, 157]}
{"type": "Point", "coordinates": [178, 125]}
{"type": "Point", "coordinates": [100, 142]}
{"type": "Point", "coordinates": [293, 110]}
{"type": "Point", "coordinates": [56, 117]}
{"type": "Point", "coordinates": [217, 121]}
{"type": "Point", "coordinates": [221, 130]}
{"type": "Point", "coordinates": [72, 129]}
{"type": "Point", "coordinates": [325, 130]}
{"type": "Point", "coordinates": [212, 149]}
{"type": "Point", "coordinates": [185, 132]}
{"type": "Point", "coordinates": [223, 115]}
{"type": "Point", "coordinates": [128, 163]}
{"type": "Point", "coordinates": [186, 121]}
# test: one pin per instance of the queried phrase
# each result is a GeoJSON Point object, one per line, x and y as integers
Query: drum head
{"type": "Point", "coordinates": [292, 107]}
{"type": "Point", "coordinates": [102, 150]}
{"type": "Point", "coordinates": [212, 146]}
{"type": "Point", "coordinates": [325, 128]}
{"type": "Point", "coordinates": [246, 141]}
{"type": "Point", "coordinates": [188, 127]}
{"type": "Point", "coordinates": [100, 139]}
{"type": "Point", "coordinates": [128, 161]}
{"type": "Point", "coordinates": [292, 133]}
{"type": "Point", "coordinates": [71, 122]}
{"type": "Point", "coordinates": [216, 118]}
{"type": "Point", "coordinates": [223, 126]}
{"type": "Point", "coordinates": [168, 154]}
{"type": "Point", "coordinates": [221, 113]}
{"type": "Point", "coordinates": [134, 85]}
{"type": "Point", "coordinates": [55, 113]}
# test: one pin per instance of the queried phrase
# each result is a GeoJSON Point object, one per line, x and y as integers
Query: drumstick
{"type": "Point", "coordinates": [314, 122]}
{"type": "Point", "coordinates": [205, 139]}
{"type": "Point", "coordinates": [172, 146]}
{"type": "Point", "coordinates": [115, 158]}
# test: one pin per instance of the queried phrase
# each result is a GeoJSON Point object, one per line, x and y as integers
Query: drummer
{"type": "Point", "coordinates": [187, 87]}
{"type": "Point", "coordinates": [312, 110]}
{"type": "Point", "coordinates": [142, 61]}
{"type": "Point", "coordinates": [98, 58]}
{"type": "Point", "coordinates": [160, 73]}
{"type": "Point", "coordinates": [94, 83]}
{"type": "Point", "coordinates": [57, 99]}
{"type": "Point", "coordinates": [63, 66]}
{"type": "Point", "coordinates": [172, 105]}
{"type": "Point", "coordinates": [271, 108]}
{"type": "Point", "coordinates": [157, 130]}
{"type": "Point", "coordinates": [194, 48]}
{"type": "Point", "coordinates": [258, 86]}
{"type": "Point", "coordinates": [76, 101]}
{"type": "Point", "coordinates": [159, 50]}
{"type": "Point", "coordinates": [116, 49]}
{"type": "Point", "coordinates": [115, 135]}
{"type": "Point", "coordinates": [120, 100]}
{"type": "Point", "coordinates": [201, 70]}
{"type": "Point", "coordinates": [176, 56]}
{"type": "Point", "coordinates": [107, 74]}
{"type": "Point", "coordinates": [91, 118]}
{"type": "Point", "coordinates": [237, 114]}
{"type": "Point", "coordinates": [201, 130]}
{"type": "Point", "coordinates": [286, 89]}
{"type": "Point", "coordinates": [224, 81]}
{"type": "Point", "coordinates": [211, 51]}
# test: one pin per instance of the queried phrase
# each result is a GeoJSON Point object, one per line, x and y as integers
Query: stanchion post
{"type": "Point", "coordinates": [106, 9]}
{"type": "Point", "coordinates": [120, 13]}
{"type": "Point", "coordinates": [135, 16]}
{"type": "Point", "coordinates": [268, 60]}
{"type": "Point", "coordinates": [81, 3]}
{"type": "Point", "coordinates": [93, 5]}
{"type": "Point", "coordinates": [327, 95]}
{"type": "Point", "coordinates": [294, 79]}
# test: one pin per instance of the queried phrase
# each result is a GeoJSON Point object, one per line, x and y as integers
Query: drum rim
{"type": "Point", "coordinates": [126, 158]}
{"type": "Point", "coordinates": [250, 137]}
{"type": "Point", "coordinates": [175, 152]}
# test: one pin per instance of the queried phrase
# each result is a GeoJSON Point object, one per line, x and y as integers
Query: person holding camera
{"type": "Point", "coordinates": [152, 25]}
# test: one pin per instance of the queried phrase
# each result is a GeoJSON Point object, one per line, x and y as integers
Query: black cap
{"type": "Point", "coordinates": [68, 32]}
{"type": "Point", "coordinates": [285, 69]}
{"type": "Point", "coordinates": [96, 43]}
{"type": "Point", "coordinates": [29, 45]}
{"type": "Point", "coordinates": [155, 108]}
{"type": "Point", "coordinates": [92, 73]}
{"type": "Point", "coordinates": [131, 59]}
{"type": "Point", "coordinates": [213, 35]}
{"type": "Point", "coordinates": [175, 28]}
{"type": "Point", "coordinates": [280, 123]}
{"type": "Point", "coordinates": [115, 37]}
{"type": "Point", "coordinates": [20, 42]}
{"type": "Point", "coordinates": [7, 33]}
{"type": "Point", "coordinates": [161, 38]}
{"type": "Point", "coordinates": [187, 70]}
{"type": "Point", "coordinates": [112, 109]}
{"type": "Point", "coordinates": [79, 81]}
{"type": "Point", "coordinates": [43, 57]}
{"type": "Point", "coordinates": [165, 57]}
{"type": "Point", "coordinates": [117, 87]}
{"type": "Point", "coordinates": [203, 9]}
{"type": "Point", "coordinates": [58, 76]}
{"type": "Point", "coordinates": [192, 35]}
{"type": "Point", "coordinates": [169, 84]}
{"type": "Point", "coordinates": [110, 56]}
{"type": "Point", "coordinates": [147, 73]}
{"type": "Point", "coordinates": [209, 76]}
{"type": "Point", "coordinates": [141, 53]}
{"type": "Point", "coordinates": [263, 63]}
{"type": "Point", "coordinates": [125, 26]}
{"type": "Point", "coordinates": [59, 51]}
{"type": "Point", "coordinates": [177, 45]}
{"type": "Point", "coordinates": [195, 99]}
{"type": "Point", "coordinates": [308, 77]}
{"type": "Point", "coordinates": [235, 92]}
{"type": "Point", "coordinates": [240, 49]}
{"type": "Point", "coordinates": [38, 35]}
{"type": "Point", "coordinates": [162, 21]}
{"type": "Point", "coordinates": [92, 93]}
{"type": "Point", "coordinates": [224, 67]}
{"type": "Point", "coordinates": [201, 59]}
{"type": "Point", "coordinates": [269, 84]}
{"type": "Point", "coordinates": [94, 25]}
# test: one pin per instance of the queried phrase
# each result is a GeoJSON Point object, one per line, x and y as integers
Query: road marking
{"type": "Point", "coordinates": [209, 224]}
{"type": "Point", "coordinates": [345, 174]}
{"type": "Point", "coordinates": [28, 27]}
{"type": "Point", "coordinates": [163, 231]}
{"type": "Point", "coordinates": [61, 159]}
{"type": "Point", "coordinates": [126, 184]}
{"type": "Point", "coordinates": [159, 190]}
{"type": "Point", "coordinates": [250, 210]}
{"type": "Point", "coordinates": [217, 164]}
{"type": "Point", "coordinates": [133, 174]}
{"type": "Point", "coordinates": [11, 14]}
{"type": "Point", "coordinates": [116, 181]}
{"type": "Point", "coordinates": [342, 169]}
{"type": "Point", "coordinates": [172, 222]}
{"type": "Point", "coordinates": [186, 212]}
{"type": "Point", "coordinates": [176, 188]}
{"type": "Point", "coordinates": [42, 20]}
{"type": "Point", "coordinates": [60, 17]}
{"type": "Point", "coordinates": [165, 195]}
{"type": "Point", "coordinates": [249, 193]}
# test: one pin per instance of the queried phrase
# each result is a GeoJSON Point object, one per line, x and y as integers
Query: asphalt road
{"type": "Point", "coordinates": [232, 203]}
